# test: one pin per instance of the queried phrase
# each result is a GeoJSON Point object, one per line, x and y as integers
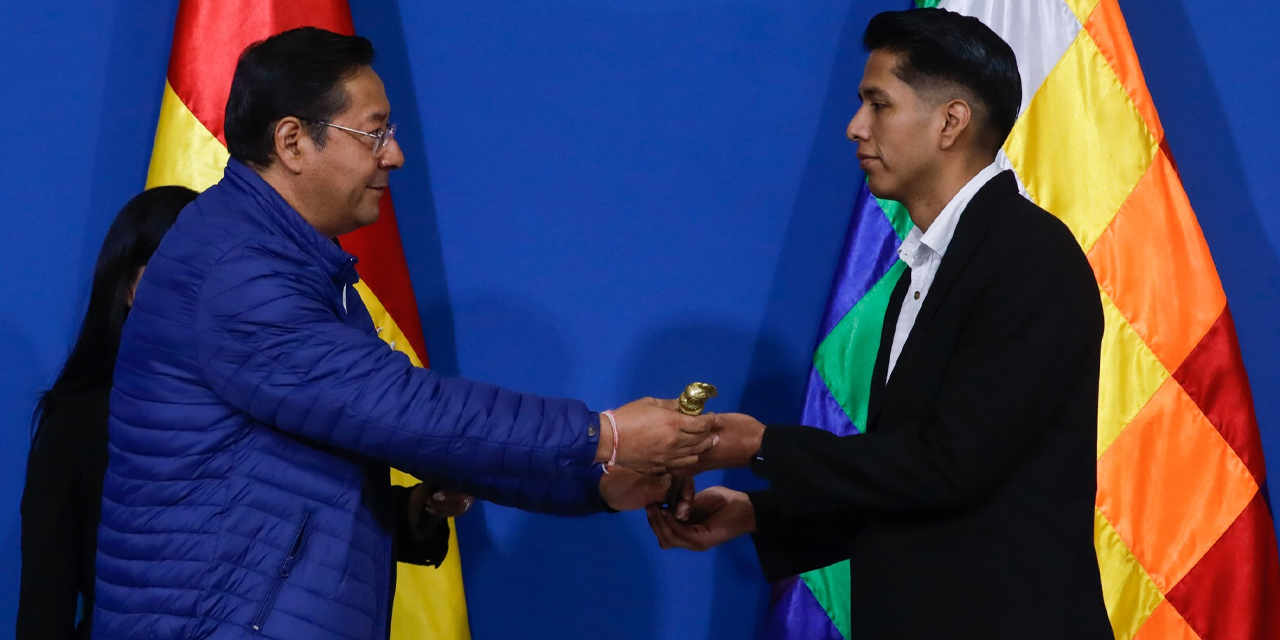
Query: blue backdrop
{"type": "Point", "coordinates": [602, 199]}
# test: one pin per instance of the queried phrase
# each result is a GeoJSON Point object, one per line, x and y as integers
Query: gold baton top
{"type": "Point", "coordinates": [694, 397]}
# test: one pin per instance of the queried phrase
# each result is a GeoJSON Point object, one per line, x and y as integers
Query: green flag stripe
{"type": "Point", "coordinates": [830, 587]}
{"type": "Point", "coordinates": [847, 356]}
{"type": "Point", "coordinates": [897, 215]}
{"type": "Point", "coordinates": [846, 360]}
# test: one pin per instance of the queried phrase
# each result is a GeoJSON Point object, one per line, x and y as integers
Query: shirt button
{"type": "Point", "coordinates": [917, 295]}
{"type": "Point", "coordinates": [591, 432]}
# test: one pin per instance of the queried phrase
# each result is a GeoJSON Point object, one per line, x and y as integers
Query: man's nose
{"type": "Point", "coordinates": [856, 131]}
{"type": "Point", "coordinates": [393, 157]}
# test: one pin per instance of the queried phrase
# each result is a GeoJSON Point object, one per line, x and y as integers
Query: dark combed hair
{"type": "Point", "coordinates": [296, 73]}
{"type": "Point", "coordinates": [131, 241]}
{"type": "Point", "coordinates": [940, 50]}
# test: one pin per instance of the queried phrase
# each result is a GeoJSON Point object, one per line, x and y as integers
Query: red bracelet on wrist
{"type": "Point", "coordinates": [613, 458]}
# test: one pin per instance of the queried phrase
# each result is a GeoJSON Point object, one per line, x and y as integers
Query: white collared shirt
{"type": "Point", "coordinates": [923, 251]}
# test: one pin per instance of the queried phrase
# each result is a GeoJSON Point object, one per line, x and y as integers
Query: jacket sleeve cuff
{"type": "Point", "coordinates": [592, 479]}
{"type": "Point", "coordinates": [772, 558]}
{"type": "Point", "coordinates": [761, 461]}
{"type": "Point", "coordinates": [584, 455]}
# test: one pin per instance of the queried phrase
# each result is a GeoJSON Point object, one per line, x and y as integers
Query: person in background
{"type": "Point", "coordinates": [61, 501]}
{"type": "Point", "coordinates": [63, 494]}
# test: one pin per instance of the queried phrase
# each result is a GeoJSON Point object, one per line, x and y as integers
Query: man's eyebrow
{"type": "Point", "coordinates": [377, 116]}
{"type": "Point", "coordinates": [872, 92]}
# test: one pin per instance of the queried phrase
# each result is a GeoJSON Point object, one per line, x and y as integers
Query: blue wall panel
{"type": "Point", "coordinates": [602, 199]}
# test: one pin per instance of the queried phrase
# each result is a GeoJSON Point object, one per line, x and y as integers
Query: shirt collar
{"type": "Point", "coordinates": [944, 226]}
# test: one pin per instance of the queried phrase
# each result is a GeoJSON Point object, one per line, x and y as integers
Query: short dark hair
{"type": "Point", "coordinates": [941, 50]}
{"type": "Point", "coordinates": [295, 73]}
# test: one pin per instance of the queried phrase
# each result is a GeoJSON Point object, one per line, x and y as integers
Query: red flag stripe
{"type": "Point", "coordinates": [383, 267]}
{"type": "Point", "coordinates": [209, 37]}
{"type": "Point", "coordinates": [1213, 375]}
{"type": "Point", "coordinates": [207, 42]}
{"type": "Point", "coordinates": [1232, 592]}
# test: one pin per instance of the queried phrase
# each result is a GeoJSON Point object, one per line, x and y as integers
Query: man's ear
{"type": "Point", "coordinates": [291, 143]}
{"type": "Point", "coordinates": [957, 119]}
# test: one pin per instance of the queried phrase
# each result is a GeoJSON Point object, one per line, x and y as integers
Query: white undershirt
{"type": "Point", "coordinates": [923, 251]}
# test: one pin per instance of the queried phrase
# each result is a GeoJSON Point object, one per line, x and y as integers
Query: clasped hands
{"type": "Point", "coordinates": [657, 446]}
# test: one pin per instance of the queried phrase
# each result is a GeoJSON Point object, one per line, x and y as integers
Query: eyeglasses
{"type": "Point", "coordinates": [382, 137]}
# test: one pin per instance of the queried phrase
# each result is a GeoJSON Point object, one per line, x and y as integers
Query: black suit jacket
{"type": "Point", "coordinates": [966, 510]}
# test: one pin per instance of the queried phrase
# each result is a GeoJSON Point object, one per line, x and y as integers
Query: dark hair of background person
{"type": "Point", "coordinates": [942, 52]}
{"type": "Point", "coordinates": [295, 73]}
{"type": "Point", "coordinates": [130, 242]}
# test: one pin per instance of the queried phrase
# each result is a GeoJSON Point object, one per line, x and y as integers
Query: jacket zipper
{"type": "Point", "coordinates": [385, 562]}
{"type": "Point", "coordinates": [285, 568]}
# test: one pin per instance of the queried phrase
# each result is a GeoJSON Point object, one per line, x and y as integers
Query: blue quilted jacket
{"type": "Point", "coordinates": [254, 415]}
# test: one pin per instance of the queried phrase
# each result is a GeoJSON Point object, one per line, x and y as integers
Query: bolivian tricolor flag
{"type": "Point", "coordinates": [1182, 528]}
{"type": "Point", "coordinates": [190, 150]}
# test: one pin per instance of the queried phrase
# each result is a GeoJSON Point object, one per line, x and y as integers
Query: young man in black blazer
{"type": "Point", "coordinates": [966, 510]}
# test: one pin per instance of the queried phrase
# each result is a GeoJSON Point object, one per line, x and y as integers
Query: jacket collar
{"type": "Point", "coordinates": [881, 368]}
{"type": "Point", "coordinates": [970, 232]}
{"type": "Point", "coordinates": [943, 228]}
{"type": "Point", "coordinates": [271, 209]}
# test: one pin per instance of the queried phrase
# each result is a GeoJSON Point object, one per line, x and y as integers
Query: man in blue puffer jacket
{"type": "Point", "coordinates": [255, 411]}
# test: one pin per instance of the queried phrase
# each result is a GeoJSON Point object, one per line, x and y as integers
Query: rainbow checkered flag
{"type": "Point", "coordinates": [1183, 528]}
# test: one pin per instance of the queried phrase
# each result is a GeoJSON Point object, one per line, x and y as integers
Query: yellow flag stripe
{"type": "Point", "coordinates": [388, 330]}
{"type": "Point", "coordinates": [1081, 147]}
{"type": "Point", "coordinates": [430, 601]}
{"type": "Point", "coordinates": [426, 598]}
{"type": "Point", "coordinates": [1082, 8]}
{"type": "Point", "coordinates": [1128, 591]}
{"type": "Point", "coordinates": [185, 153]}
{"type": "Point", "coordinates": [1130, 375]}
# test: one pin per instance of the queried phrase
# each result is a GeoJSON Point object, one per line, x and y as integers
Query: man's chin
{"type": "Point", "coordinates": [366, 219]}
{"type": "Point", "coordinates": [368, 210]}
{"type": "Point", "coordinates": [878, 187]}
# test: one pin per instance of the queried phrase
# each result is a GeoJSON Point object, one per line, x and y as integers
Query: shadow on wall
{"type": "Point", "coordinates": [543, 349]}
{"type": "Point", "coordinates": [617, 597]}
{"type": "Point", "coordinates": [1199, 133]}
{"type": "Point", "coordinates": [517, 560]}
{"type": "Point", "coordinates": [662, 365]}
{"type": "Point", "coordinates": [140, 40]}
{"type": "Point", "coordinates": [379, 20]}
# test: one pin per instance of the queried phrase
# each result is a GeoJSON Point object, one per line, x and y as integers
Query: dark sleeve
{"type": "Point", "coordinates": [1030, 333]}
{"type": "Point", "coordinates": [53, 509]}
{"type": "Point", "coordinates": [427, 543]}
{"type": "Point", "coordinates": [791, 546]}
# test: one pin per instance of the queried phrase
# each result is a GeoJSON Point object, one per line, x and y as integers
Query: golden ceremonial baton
{"type": "Point", "coordinates": [691, 403]}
